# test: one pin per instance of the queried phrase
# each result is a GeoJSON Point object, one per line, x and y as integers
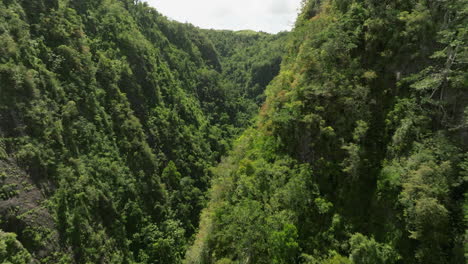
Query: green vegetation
{"type": "Point", "coordinates": [11, 251]}
{"type": "Point", "coordinates": [113, 116]}
{"type": "Point", "coordinates": [129, 138]}
{"type": "Point", "coordinates": [359, 154]}
{"type": "Point", "coordinates": [250, 60]}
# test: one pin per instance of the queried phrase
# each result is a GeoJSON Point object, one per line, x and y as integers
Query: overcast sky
{"type": "Point", "coordinates": [259, 15]}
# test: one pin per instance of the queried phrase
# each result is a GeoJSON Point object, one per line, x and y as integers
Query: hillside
{"type": "Point", "coordinates": [360, 151]}
{"type": "Point", "coordinates": [111, 117]}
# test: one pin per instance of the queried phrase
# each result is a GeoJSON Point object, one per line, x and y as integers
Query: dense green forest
{"type": "Point", "coordinates": [126, 137]}
{"type": "Point", "coordinates": [111, 117]}
{"type": "Point", "coordinates": [359, 153]}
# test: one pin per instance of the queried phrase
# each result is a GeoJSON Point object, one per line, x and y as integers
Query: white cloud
{"type": "Point", "coordinates": [260, 15]}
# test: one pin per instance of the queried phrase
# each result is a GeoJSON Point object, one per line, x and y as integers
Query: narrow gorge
{"type": "Point", "coordinates": [127, 137]}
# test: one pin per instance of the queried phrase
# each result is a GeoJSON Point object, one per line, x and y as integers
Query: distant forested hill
{"type": "Point", "coordinates": [360, 152]}
{"type": "Point", "coordinates": [111, 117]}
{"type": "Point", "coordinates": [250, 60]}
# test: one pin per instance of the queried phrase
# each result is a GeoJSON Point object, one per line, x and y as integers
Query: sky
{"type": "Point", "coordinates": [260, 15]}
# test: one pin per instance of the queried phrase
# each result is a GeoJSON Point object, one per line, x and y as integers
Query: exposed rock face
{"type": "Point", "coordinates": [23, 208]}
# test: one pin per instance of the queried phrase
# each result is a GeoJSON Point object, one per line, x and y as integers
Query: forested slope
{"type": "Point", "coordinates": [110, 118]}
{"type": "Point", "coordinates": [250, 60]}
{"type": "Point", "coordinates": [360, 152]}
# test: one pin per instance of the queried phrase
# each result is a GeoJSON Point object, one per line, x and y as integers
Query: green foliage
{"type": "Point", "coordinates": [116, 114]}
{"type": "Point", "coordinates": [284, 244]}
{"type": "Point", "coordinates": [337, 259]}
{"type": "Point", "coordinates": [249, 60]}
{"type": "Point", "coordinates": [171, 176]}
{"type": "Point", "coordinates": [361, 132]}
{"type": "Point", "coordinates": [11, 250]}
{"type": "Point", "coordinates": [366, 251]}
